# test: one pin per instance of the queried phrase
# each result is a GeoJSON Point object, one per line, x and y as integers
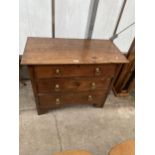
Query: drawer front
{"type": "Point", "coordinates": [56, 100]}
{"type": "Point", "coordinates": [73, 71]}
{"type": "Point", "coordinates": [72, 84]}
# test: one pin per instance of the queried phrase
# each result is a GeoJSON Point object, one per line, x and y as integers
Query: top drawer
{"type": "Point", "coordinates": [49, 71]}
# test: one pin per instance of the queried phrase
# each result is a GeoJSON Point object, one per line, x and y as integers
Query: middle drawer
{"type": "Point", "coordinates": [72, 84]}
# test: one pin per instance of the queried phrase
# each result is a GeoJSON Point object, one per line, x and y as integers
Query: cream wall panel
{"type": "Point", "coordinates": [35, 20]}
{"type": "Point", "coordinates": [125, 39]}
{"type": "Point", "coordinates": [106, 18]}
{"type": "Point", "coordinates": [128, 15]}
{"type": "Point", "coordinates": [23, 24]}
{"type": "Point", "coordinates": [71, 18]}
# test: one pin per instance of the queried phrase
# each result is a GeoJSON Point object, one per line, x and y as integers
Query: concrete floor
{"type": "Point", "coordinates": [76, 127]}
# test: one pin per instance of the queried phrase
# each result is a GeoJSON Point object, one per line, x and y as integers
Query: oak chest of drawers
{"type": "Point", "coordinates": [71, 71]}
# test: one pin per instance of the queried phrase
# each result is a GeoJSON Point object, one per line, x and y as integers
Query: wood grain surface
{"type": "Point", "coordinates": [70, 51]}
{"type": "Point", "coordinates": [50, 71]}
{"type": "Point", "coordinates": [64, 85]}
{"type": "Point", "coordinates": [125, 148]}
{"type": "Point", "coordinates": [93, 98]}
{"type": "Point", "coordinates": [73, 152]}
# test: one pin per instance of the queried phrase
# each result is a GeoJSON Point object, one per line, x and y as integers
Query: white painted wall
{"type": "Point", "coordinates": [71, 20]}
{"type": "Point", "coordinates": [34, 20]}
{"type": "Point", "coordinates": [106, 18]}
{"type": "Point", "coordinates": [125, 39]}
{"type": "Point", "coordinates": [23, 24]}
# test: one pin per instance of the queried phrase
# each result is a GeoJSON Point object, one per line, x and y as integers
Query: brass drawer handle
{"type": "Point", "coordinates": [93, 85]}
{"type": "Point", "coordinates": [97, 71]}
{"type": "Point", "coordinates": [90, 98]}
{"type": "Point", "coordinates": [57, 87]}
{"type": "Point", "coordinates": [57, 101]}
{"type": "Point", "coordinates": [57, 71]}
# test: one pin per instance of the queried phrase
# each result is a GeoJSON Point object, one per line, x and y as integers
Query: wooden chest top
{"type": "Point", "coordinates": [48, 51]}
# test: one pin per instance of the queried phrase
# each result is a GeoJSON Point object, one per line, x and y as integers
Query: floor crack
{"type": "Point", "coordinates": [58, 132]}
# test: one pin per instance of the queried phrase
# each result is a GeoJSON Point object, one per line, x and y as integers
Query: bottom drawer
{"type": "Point", "coordinates": [55, 100]}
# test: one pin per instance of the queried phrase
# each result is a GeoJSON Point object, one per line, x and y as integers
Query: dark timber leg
{"type": "Point", "coordinates": [42, 111]}
{"type": "Point", "coordinates": [99, 105]}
